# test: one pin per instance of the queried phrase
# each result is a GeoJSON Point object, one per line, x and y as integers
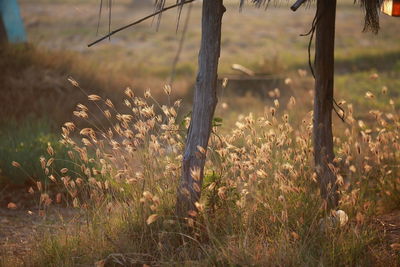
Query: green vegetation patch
{"type": "Point", "coordinates": [25, 142]}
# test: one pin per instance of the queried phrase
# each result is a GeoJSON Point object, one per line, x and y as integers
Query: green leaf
{"type": "Point", "coordinates": [216, 122]}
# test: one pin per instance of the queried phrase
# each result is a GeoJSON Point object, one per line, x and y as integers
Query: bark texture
{"type": "Point", "coordinates": [323, 100]}
{"type": "Point", "coordinates": [205, 101]}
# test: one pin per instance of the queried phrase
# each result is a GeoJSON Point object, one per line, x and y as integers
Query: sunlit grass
{"type": "Point", "coordinates": [260, 202]}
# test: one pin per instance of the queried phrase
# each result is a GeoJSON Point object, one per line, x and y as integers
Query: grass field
{"type": "Point", "coordinates": [266, 41]}
{"type": "Point", "coordinates": [104, 201]}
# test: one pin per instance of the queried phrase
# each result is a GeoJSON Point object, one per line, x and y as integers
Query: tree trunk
{"type": "Point", "coordinates": [323, 100]}
{"type": "Point", "coordinates": [205, 100]}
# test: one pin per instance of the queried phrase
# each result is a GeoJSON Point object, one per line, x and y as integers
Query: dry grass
{"type": "Point", "coordinates": [142, 57]}
{"type": "Point", "coordinates": [260, 203]}
{"type": "Point", "coordinates": [35, 80]}
{"type": "Point", "coordinates": [265, 41]}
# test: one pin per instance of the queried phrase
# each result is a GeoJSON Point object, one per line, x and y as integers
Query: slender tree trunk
{"type": "Point", "coordinates": [205, 100]}
{"type": "Point", "coordinates": [323, 100]}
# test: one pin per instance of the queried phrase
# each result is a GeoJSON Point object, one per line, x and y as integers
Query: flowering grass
{"type": "Point", "coordinates": [260, 203]}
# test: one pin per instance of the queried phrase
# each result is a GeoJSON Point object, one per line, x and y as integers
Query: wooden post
{"type": "Point", "coordinates": [205, 101]}
{"type": "Point", "coordinates": [323, 100]}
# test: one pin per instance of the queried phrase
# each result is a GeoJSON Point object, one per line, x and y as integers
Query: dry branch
{"type": "Point", "coordinates": [139, 21]}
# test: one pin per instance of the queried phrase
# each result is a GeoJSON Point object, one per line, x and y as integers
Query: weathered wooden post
{"type": "Point", "coordinates": [205, 101]}
{"type": "Point", "coordinates": [323, 100]}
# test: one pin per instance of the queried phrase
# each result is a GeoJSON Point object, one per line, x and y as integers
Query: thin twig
{"type": "Point", "coordinates": [109, 17]}
{"type": "Point", "coordinates": [138, 21]}
{"type": "Point", "coordinates": [98, 20]}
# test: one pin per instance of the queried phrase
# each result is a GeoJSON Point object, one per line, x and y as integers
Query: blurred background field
{"type": "Point", "coordinates": [36, 97]}
{"type": "Point", "coordinates": [141, 57]}
{"type": "Point", "coordinates": [34, 76]}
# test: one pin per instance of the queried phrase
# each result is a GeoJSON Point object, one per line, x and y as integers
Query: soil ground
{"type": "Point", "coordinates": [21, 226]}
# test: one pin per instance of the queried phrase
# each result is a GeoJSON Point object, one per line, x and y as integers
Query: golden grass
{"type": "Point", "coordinates": [260, 203]}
